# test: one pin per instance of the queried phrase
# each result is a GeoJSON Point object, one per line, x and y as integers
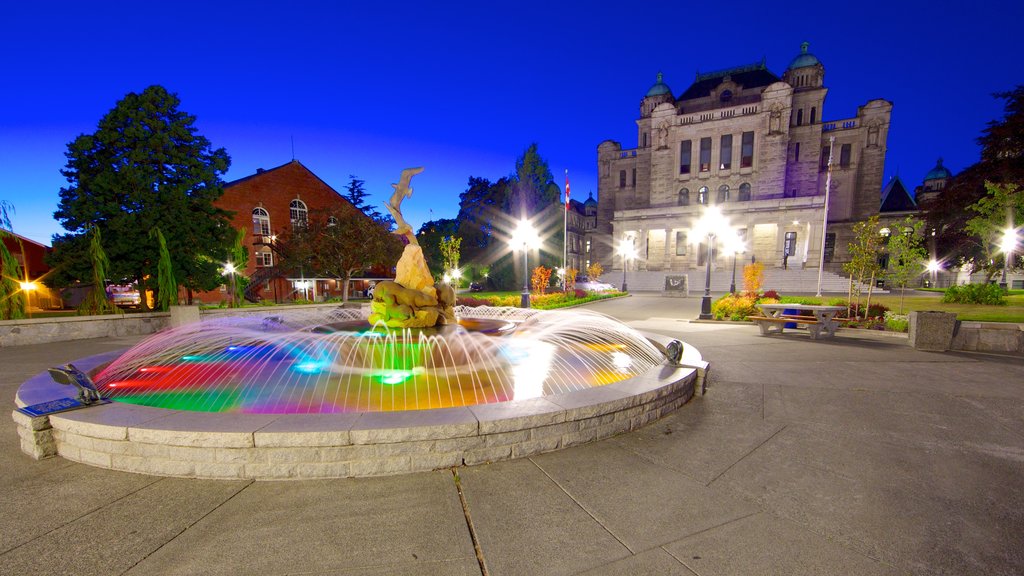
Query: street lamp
{"type": "Point", "coordinates": [933, 270]}
{"type": "Point", "coordinates": [229, 269]}
{"type": "Point", "coordinates": [524, 238]}
{"type": "Point", "coordinates": [1008, 243]}
{"type": "Point", "coordinates": [710, 224]}
{"type": "Point", "coordinates": [627, 251]}
{"type": "Point", "coordinates": [737, 247]}
{"type": "Point", "coordinates": [28, 288]}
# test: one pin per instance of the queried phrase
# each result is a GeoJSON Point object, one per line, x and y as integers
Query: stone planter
{"type": "Point", "coordinates": [932, 330]}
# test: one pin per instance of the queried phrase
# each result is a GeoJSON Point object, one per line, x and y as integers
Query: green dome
{"type": "Point", "coordinates": [590, 201]}
{"type": "Point", "coordinates": [659, 88]}
{"type": "Point", "coordinates": [939, 172]}
{"type": "Point", "coordinates": [805, 59]}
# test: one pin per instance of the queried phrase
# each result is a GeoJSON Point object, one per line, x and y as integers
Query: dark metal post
{"type": "Point", "coordinates": [705, 303]}
{"type": "Point", "coordinates": [525, 301]}
{"type": "Point", "coordinates": [732, 287]}
{"type": "Point", "coordinates": [624, 272]}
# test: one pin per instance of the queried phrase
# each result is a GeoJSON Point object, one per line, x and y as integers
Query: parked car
{"type": "Point", "coordinates": [476, 287]}
{"type": "Point", "coordinates": [585, 283]}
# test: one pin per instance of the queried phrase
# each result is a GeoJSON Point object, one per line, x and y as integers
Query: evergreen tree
{"type": "Point", "coordinates": [356, 195]}
{"type": "Point", "coordinates": [167, 286]}
{"type": "Point", "coordinates": [96, 301]}
{"type": "Point", "coordinates": [145, 167]}
{"type": "Point", "coordinates": [240, 260]}
{"type": "Point", "coordinates": [13, 304]}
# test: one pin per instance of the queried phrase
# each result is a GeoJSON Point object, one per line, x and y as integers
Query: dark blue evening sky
{"type": "Point", "coordinates": [369, 88]}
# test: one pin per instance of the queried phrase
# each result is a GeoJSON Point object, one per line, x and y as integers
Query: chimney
{"type": "Point", "coordinates": [260, 170]}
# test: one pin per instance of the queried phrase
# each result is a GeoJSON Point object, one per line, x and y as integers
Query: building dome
{"type": "Point", "coordinates": [804, 59]}
{"type": "Point", "coordinates": [659, 88]}
{"type": "Point", "coordinates": [590, 201]}
{"type": "Point", "coordinates": [939, 172]}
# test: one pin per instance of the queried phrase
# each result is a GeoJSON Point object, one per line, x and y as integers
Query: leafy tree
{"type": "Point", "coordinates": [1002, 162]}
{"type": "Point", "coordinates": [541, 279]}
{"type": "Point", "coordinates": [145, 167]}
{"type": "Point", "coordinates": [13, 304]}
{"type": "Point", "coordinates": [430, 236]}
{"type": "Point", "coordinates": [906, 254]}
{"type": "Point", "coordinates": [167, 286]}
{"type": "Point", "coordinates": [570, 278]}
{"type": "Point", "coordinates": [356, 195]}
{"type": "Point", "coordinates": [96, 301]}
{"type": "Point", "coordinates": [338, 242]}
{"type": "Point", "coordinates": [240, 260]}
{"type": "Point", "coordinates": [594, 271]}
{"type": "Point", "coordinates": [863, 265]}
{"type": "Point", "coordinates": [1001, 208]}
{"type": "Point", "coordinates": [449, 248]}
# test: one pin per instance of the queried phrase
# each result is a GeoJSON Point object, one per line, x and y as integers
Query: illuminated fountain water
{"type": "Point", "coordinates": [414, 383]}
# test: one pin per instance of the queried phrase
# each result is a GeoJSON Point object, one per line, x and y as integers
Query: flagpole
{"type": "Point", "coordinates": [565, 230]}
{"type": "Point", "coordinates": [824, 218]}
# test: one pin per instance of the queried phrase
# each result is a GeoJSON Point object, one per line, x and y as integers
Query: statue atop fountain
{"type": "Point", "coordinates": [412, 300]}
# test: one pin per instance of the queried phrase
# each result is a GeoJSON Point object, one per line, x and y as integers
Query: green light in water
{"type": "Point", "coordinates": [392, 377]}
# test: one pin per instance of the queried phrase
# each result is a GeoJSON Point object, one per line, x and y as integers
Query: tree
{"type": "Point", "coordinates": [541, 279]}
{"type": "Point", "coordinates": [449, 248]}
{"type": "Point", "coordinates": [338, 242]}
{"type": "Point", "coordinates": [145, 167]}
{"type": "Point", "coordinates": [1000, 209]}
{"type": "Point", "coordinates": [96, 301]}
{"type": "Point", "coordinates": [240, 261]}
{"type": "Point", "coordinates": [906, 254]}
{"type": "Point", "coordinates": [13, 305]}
{"type": "Point", "coordinates": [863, 265]}
{"type": "Point", "coordinates": [356, 195]}
{"type": "Point", "coordinates": [594, 271]}
{"type": "Point", "coordinates": [1002, 162]}
{"type": "Point", "coordinates": [430, 236]}
{"type": "Point", "coordinates": [167, 286]}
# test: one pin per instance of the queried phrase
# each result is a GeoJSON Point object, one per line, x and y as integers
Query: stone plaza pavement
{"type": "Point", "coordinates": [856, 456]}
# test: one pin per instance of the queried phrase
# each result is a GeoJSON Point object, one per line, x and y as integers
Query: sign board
{"type": "Point", "coordinates": [55, 406]}
{"type": "Point", "coordinates": [677, 286]}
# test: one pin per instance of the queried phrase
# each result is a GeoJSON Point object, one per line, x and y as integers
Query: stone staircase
{"type": "Point", "coordinates": [792, 281]}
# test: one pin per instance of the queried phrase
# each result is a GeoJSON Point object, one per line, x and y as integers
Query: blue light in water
{"type": "Point", "coordinates": [309, 367]}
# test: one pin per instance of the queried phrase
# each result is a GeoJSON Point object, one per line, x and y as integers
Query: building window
{"type": "Point", "coordinates": [744, 192]}
{"type": "Point", "coordinates": [789, 247]}
{"type": "Point", "coordinates": [685, 156]}
{"type": "Point", "coordinates": [830, 246]}
{"type": "Point", "coordinates": [825, 152]}
{"type": "Point", "coordinates": [844, 156]}
{"type": "Point", "coordinates": [796, 152]}
{"type": "Point", "coordinates": [800, 117]}
{"type": "Point", "coordinates": [634, 177]}
{"type": "Point", "coordinates": [726, 96]}
{"type": "Point", "coordinates": [622, 178]}
{"type": "Point", "coordinates": [332, 221]}
{"type": "Point", "coordinates": [684, 197]}
{"type": "Point", "coordinates": [260, 222]}
{"type": "Point", "coordinates": [297, 211]}
{"type": "Point", "coordinates": [645, 140]}
{"type": "Point", "coordinates": [705, 154]}
{"type": "Point", "coordinates": [680, 243]}
{"type": "Point", "coordinates": [723, 194]}
{"type": "Point", "coordinates": [747, 150]}
{"type": "Point", "coordinates": [702, 195]}
{"type": "Point", "coordinates": [725, 154]}
{"type": "Point", "coordinates": [814, 114]}
{"type": "Point", "coordinates": [265, 259]}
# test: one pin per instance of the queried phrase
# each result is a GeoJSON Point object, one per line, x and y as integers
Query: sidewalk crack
{"type": "Point", "coordinates": [741, 458]}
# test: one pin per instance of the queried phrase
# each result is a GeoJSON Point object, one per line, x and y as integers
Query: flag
{"type": "Point", "coordinates": [567, 189]}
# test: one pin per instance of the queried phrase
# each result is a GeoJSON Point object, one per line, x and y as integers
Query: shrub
{"type": "Point", "coordinates": [770, 294]}
{"type": "Point", "coordinates": [753, 277]}
{"type": "Point", "coordinates": [594, 271]}
{"type": "Point", "coordinates": [897, 322]}
{"type": "Point", "coordinates": [472, 302]}
{"type": "Point", "coordinates": [733, 307]}
{"type": "Point", "coordinates": [540, 279]}
{"type": "Point", "coordinates": [990, 294]}
{"type": "Point", "coordinates": [579, 293]}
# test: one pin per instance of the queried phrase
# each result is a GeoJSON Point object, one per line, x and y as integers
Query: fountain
{"type": "Point", "coordinates": [414, 383]}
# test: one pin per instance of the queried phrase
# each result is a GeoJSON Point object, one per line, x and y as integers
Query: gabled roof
{"type": "Point", "coordinates": [895, 197]}
{"type": "Point", "coordinates": [749, 76]}
{"type": "Point", "coordinates": [23, 239]}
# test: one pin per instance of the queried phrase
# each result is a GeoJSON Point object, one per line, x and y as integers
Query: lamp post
{"type": "Point", "coordinates": [229, 269]}
{"type": "Point", "coordinates": [708, 226]}
{"type": "Point", "coordinates": [524, 238]}
{"type": "Point", "coordinates": [626, 251]}
{"type": "Point", "coordinates": [1008, 243]}
{"type": "Point", "coordinates": [28, 288]}
{"type": "Point", "coordinates": [736, 248]}
{"type": "Point", "coordinates": [933, 271]}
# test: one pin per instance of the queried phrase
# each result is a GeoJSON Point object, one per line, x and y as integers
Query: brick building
{"type": "Point", "coordinates": [266, 204]}
{"type": "Point", "coordinates": [30, 256]}
{"type": "Point", "coordinates": [755, 145]}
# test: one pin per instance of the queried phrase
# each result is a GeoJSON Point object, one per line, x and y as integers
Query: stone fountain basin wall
{"type": "Point", "coordinates": [291, 446]}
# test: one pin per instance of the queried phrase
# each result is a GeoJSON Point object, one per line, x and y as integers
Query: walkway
{"type": "Point", "coordinates": [852, 456]}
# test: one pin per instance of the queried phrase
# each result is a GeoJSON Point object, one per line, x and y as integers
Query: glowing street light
{"type": "Point", "coordinates": [229, 270]}
{"type": "Point", "coordinates": [28, 287]}
{"type": "Point", "coordinates": [524, 238]}
{"type": "Point", "coordinates": [711, 224]}
{"type": "Point", "coordinates": [933, 268]}
{"type": "Point", "coordinates": [1007, 245]}
{"type": "Point", "coordinates": [626, 250]}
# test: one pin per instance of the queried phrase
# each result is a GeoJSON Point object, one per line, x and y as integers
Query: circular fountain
{"type": "Point", "coordinates": [326, 394]}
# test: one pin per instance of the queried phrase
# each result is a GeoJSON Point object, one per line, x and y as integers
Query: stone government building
{"type": "Point", "coordinates": [755, 145]}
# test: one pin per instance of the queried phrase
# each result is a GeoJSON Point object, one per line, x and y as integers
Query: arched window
{"type": "Point", "coordinates": [298, 212]}
{"type": "Point", "coordinates": [260, 222]}
{"type": "Point", "coordinates": [744, 192]}
{"type": "Point", "coordinates": [684, 197]}
{"type": "Point", "coordinates": [726, 96]}
{"type": "Point", "coordinates": [702, 195]}
{"type": "Point", "coordinates": [723, 194]}
{"type": "Point", "coordinates": [814, 114]}
{"type": "Point", "coordinates": [332, 221]}
{"type": "Point", "coordinates": [800, 117]}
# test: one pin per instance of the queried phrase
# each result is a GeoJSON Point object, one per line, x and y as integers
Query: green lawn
{"type": "Point", "coordinates": [1012, 312]}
